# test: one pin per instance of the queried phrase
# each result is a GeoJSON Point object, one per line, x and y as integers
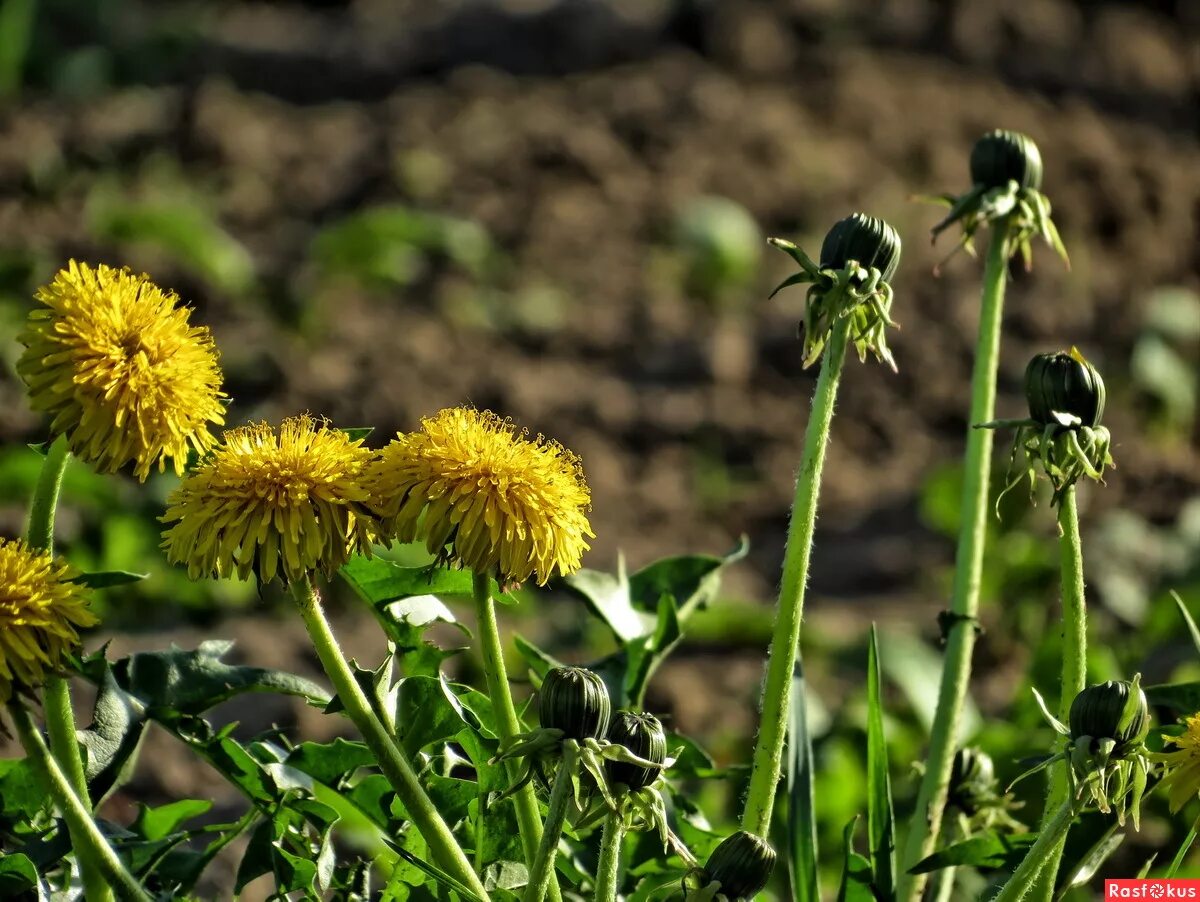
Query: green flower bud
{"type": "Point", "coordinates": [742, 864]}
{"type": "Point", "coordinates": [1003, 156]}
{"type": "Point", "coordinates": [972, 779]}
{"type": "Point", "coordinates": [1115, 710]}
{"type": "Point", "coordinates": [643, 735]}
{"type": "Point", "coordinates": [869, 241]}
{"type": "Point", "coordinates": [574, 700]}
{"type": "Point", "coordinates": [1064, 382]}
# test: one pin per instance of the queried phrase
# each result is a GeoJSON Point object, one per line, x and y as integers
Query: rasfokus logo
{"type": "Point", "coordinates": [1152, 889]}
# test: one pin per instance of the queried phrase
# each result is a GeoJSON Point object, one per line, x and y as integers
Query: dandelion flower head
{"type": "Point", "coordinates": [114, 361]}
{"type": "Point", "coordinates": [1182, 781]}
{"type": "Point", "coordinates": [41, 611]}
{"type": "Point", "coordinates": [274, 503]}
{"type": "Point", "coordinates": [482, 494]}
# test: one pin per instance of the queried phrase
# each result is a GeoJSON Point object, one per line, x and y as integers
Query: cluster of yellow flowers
{"type": "Point", "coordinates": [126, 380]}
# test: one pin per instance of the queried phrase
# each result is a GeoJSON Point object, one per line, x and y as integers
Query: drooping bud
{"type": "Point", "coordinates": [741, 864]}
{"type": "Point", "coordinates": [643, 735]}
{"type": "Point", "coordinates": [1115, 710]}
{"type": "Point", "coordinates": [1002, 156]}
{"type": "Point", "coordinates": [574, 700]}
{"type": "Point", "coordinates": [972, 779]}
{"type": "Point", "coordinates": [1064, 382]}
{"type": "Point", "coordinates": [865, 239]}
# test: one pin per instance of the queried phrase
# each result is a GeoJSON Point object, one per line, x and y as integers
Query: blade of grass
{"type": "Point", "coordinates": [1187, 617]}
{"type": "Point", "coordinates": [1184, 848]}
{"type": "Point", "coordinates": [16, 35]}
{"type": "Point", "coordinates": [1086, 869]}
{"type": "Point", "coordinates": [881, 821]}
{"type": "Point", "coordinates": [802, 818]}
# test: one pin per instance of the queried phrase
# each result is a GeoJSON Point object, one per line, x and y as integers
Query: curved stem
{"type": "Point", "coordinates": [785, 643]}
{"type": "Point", "coordinates": [56, 696]}
{"type": "Point", "coordinates": [78, 818]}
{"type": "Point", "coordinates": [609, 869]}
{"type": "Point", "coordinates": [1074, 672]}
{"type": "Point", "coordinates": [960, 641]}
{"type": "Point", "coordinates": [556, 816]}
{"type": "Point", "coordinates": [390, 758]}
{"type": "Point", "coordinates": [507, 725]}
{"type": "Point", "coordinates": [1053, 833]}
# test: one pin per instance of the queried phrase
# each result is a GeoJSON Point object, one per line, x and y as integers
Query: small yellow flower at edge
{"type": "Point", "coordinates": [286, 503]}
{"type": "Point", "coordinates": [124, 376]}
{"type": "Point", "coordinates": [1182, 780]}
{"type": "Point", "coordinates": [481, 494]}
{"type": "Point", "coordinates": [41, 611]}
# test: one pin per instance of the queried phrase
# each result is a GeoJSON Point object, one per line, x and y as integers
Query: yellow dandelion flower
{"type": "Point", "coordinates": [117, 366]}
{"type": "Point", "coordinates": [287, 503]}
{"type": "Point", "coordinates": [483, 495]}
{"type": "Point", "coordinates": [1182, 780]}
{"type": "Point", "coordinates": [41, 611]}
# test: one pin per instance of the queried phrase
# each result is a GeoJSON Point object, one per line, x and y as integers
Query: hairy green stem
{"type": "Point", "coordinates": [1053, 833]}
{"type": "Point", "coordinates": [609, 868]}
{"type": "Point", "coordinates": [960, 641]}
{"type": "Point", "coordinates": [85, 835]}
{"type": "Point", "coordinates": [56, 695]}
{"type": "Point", "coordinates": [507, 724]}
{"type": "Point", "coordinates": [1074, 672]}
{"type": "Point", "coordinates": [556, 816]}
{"type": "Point", "coordinates": [390, 758]}
{"type": "Point", "coordinates": [785, 643]}
{"type": "Point", "coordinates": [1184, 848]}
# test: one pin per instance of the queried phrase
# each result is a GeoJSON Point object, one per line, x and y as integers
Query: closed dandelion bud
{"type": "Point", "coordinates": [972, 778]}
{"type": "Point", "coordinates": [1115, 710]}
{"type": "Point", "coordinates": [1002, 156]}
{"type": "Point", "coordinates": [741, 864]}
{"type": "Point", "coordinates": [574, 700]}
{"type": "Point", "coordinates": [1064, 382]}
{"type": "Point", "coordinates": [643, 735]}
{"type": "Point", "coordinates": [869, 241]}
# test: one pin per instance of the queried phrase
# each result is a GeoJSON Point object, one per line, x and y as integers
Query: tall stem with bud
{"type": "Point", "coordinates": [960, 640]}
{"type": "Point", "coordinates": [768, 752]}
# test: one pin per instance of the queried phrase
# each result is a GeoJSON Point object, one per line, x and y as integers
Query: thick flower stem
{"type": "Point", "coordinates": [785, 643]}
{"type": "Point", "coordinates": [85, 835]}
{"type": "Point", "coordinates": [1074, 673]}
{"type": "Point", "coordinates": [56, 695]}
{"type": "Point", "coordinates": [1052, 834]}
{"type": "Point", "coordinates": [556, 816]}
{"type": "Point", "coordinates": [609, 869]}
{"type": "Point", "coordinates": [390, 758]}
{"type": "Point", "coordinates": [964, 608]}
{"type": "Point", "coordinates": [507, 725]}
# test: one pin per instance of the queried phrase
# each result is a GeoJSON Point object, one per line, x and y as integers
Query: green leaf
{"type": "Point", "coordinates": [191, 682]}
{"type": "Point", "coordinates": [645, 655]}
{"type": "Point", "coordinates": [510, 875]}
{"type": "Point", "coordinates": [802, 819]}
{"type": "Point", "coordinates": [21, 792]}
{"type": "Point", "coordinates": [881, 822]}
{"type": "Point", "coordinates": [1187, 618]}
{"type": "Point", "coordinates": [609, 598]}
{"type": "Point", "coordinates": [329, 762]}
{"type": "Point", "coordinates": [258, 857]}
{"type": "Point", "coordinates": [112, 740]}
{"type": "Point", "coordinates": [428, 712]}
{"type": "Point", "coordinates": [161, 822]}
{"type": "Point", "coordinates": [989, 851]}
{"type": "Point", "coordinates": [1181, 697]}
{"type": "Point", "coordinates": [107, 579]}
{"type": "Point", "coordinates": [357, 433]}
{"type": "Point", "coordinates": [17, 875]}
{"type": "Point", "coordinates": [539, 662]}
{"type": "Point", "coordinates": [856, 870]}
{"type": "Point", "coordinates": [378, 581]}
{"type": "Point", "coordinates": [1091, 861]}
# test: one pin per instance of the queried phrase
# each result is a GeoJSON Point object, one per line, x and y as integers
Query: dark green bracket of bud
{"type": "Point", "coordinates": [739, 868]}
{"type": "Point", "coordinates": [1006, 176]}
{"type": "Point", "coordinates": [1109, 765]}
{"type": "Point", "coordinates": [1062, 435]}
{"type": "Point", "coordinates": [859, 257]}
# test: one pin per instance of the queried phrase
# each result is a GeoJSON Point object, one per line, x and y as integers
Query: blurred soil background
{"type": "Point", "coordinates": [557, 210]}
